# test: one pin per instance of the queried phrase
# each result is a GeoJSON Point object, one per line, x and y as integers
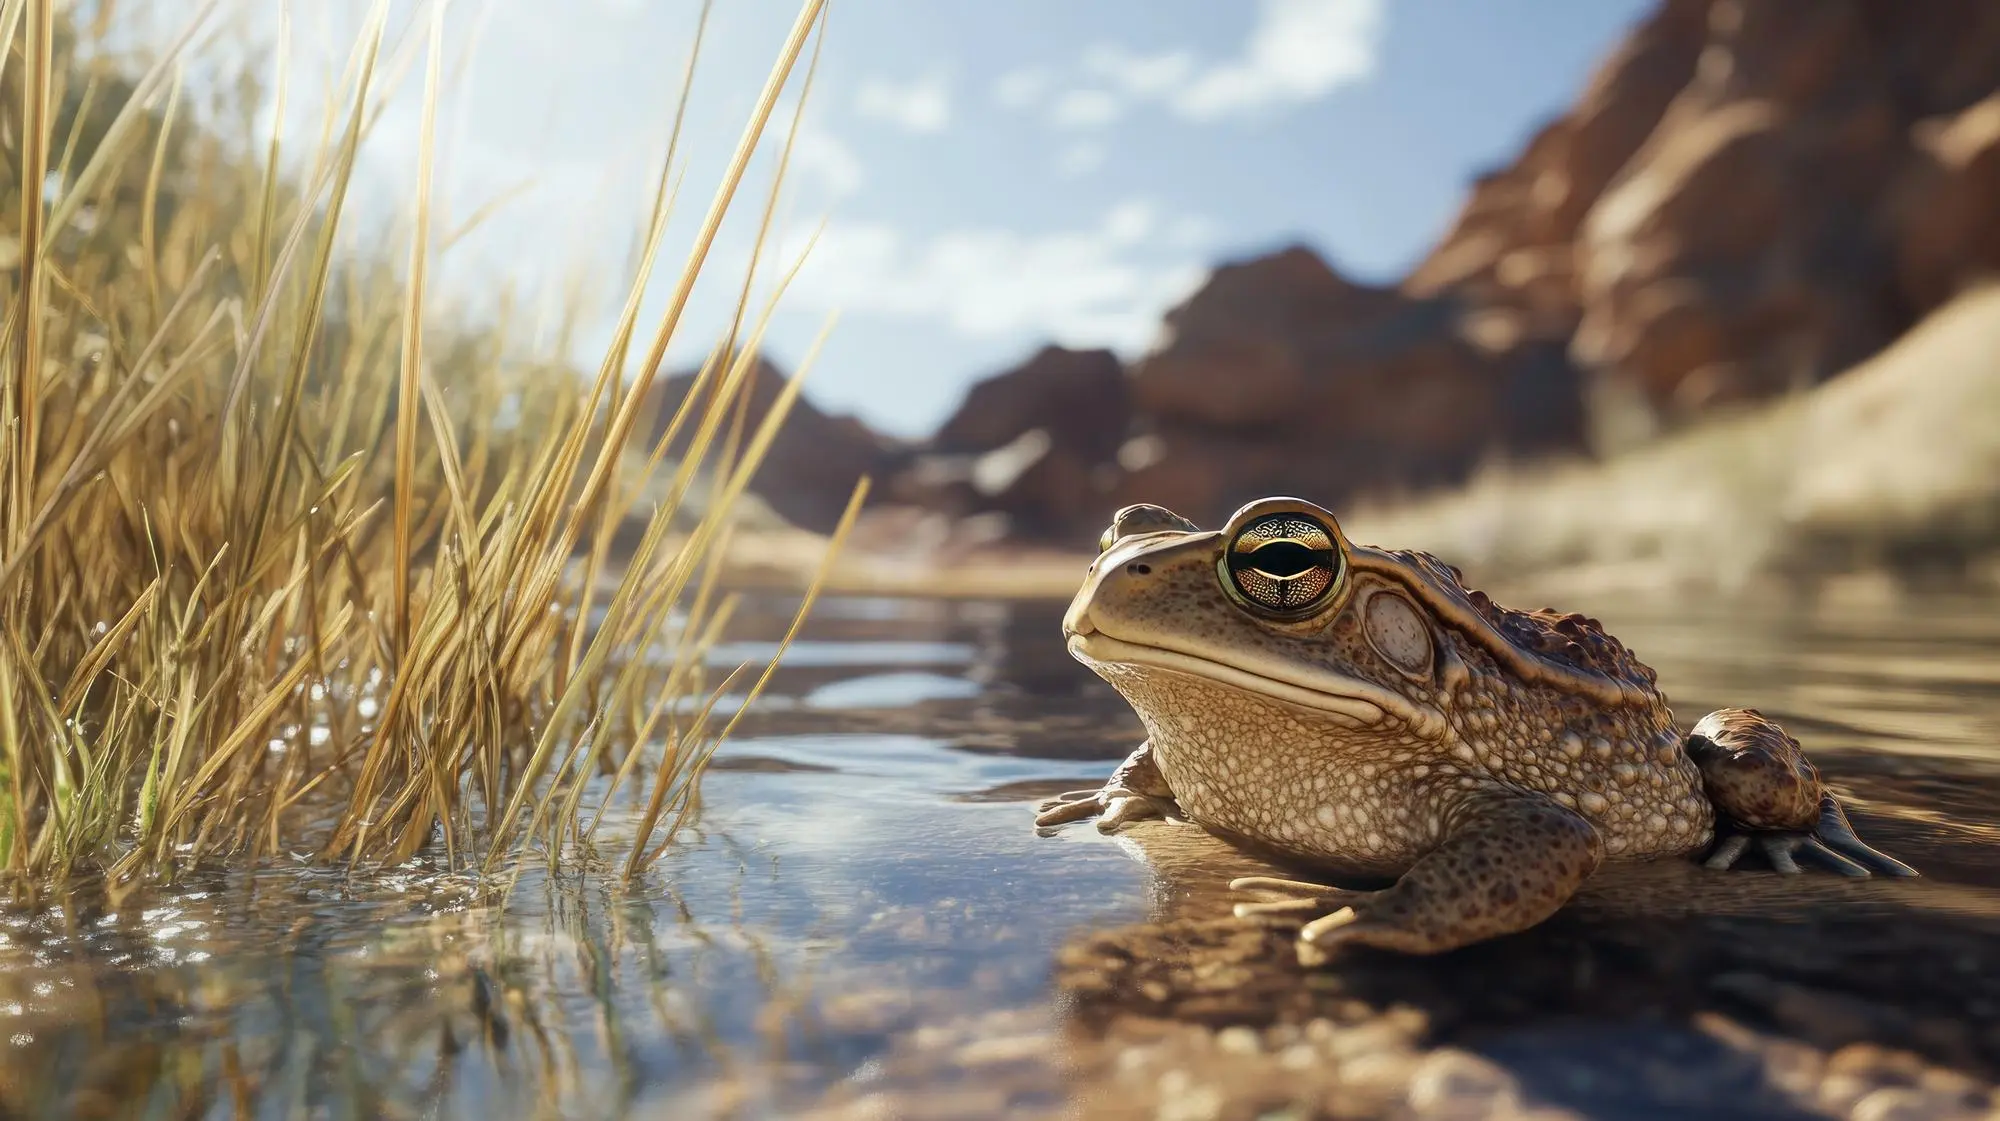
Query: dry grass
{"type": "Point", "coordinates": [271, 575]}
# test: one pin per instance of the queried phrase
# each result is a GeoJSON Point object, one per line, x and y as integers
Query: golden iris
{"type": "Point", "coordinates": [1286, 564]}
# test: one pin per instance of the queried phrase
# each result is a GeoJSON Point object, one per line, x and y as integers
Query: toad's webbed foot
{"type": "Point", "coordinates": [1768, 795]}
{"type": "Point", "coordinates": [1136, 791]}
{"type": "Point", "coordinates": [1830, 842]}
{"type": "Point", "coordinates": [1508, 861]}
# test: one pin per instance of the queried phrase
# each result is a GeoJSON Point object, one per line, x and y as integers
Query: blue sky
{"type": "Point", "coordinates": [991, 176]}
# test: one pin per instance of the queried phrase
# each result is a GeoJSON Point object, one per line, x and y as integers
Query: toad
{"type": "Point", "coordinates": [1362, 710]}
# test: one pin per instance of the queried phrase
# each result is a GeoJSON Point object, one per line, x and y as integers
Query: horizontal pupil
{"type": "Point", "coordinates": [1285, 559]}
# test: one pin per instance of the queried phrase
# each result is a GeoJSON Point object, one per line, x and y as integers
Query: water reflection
{"type": "Point", "coordinates": [864, 923]}
{"type": "Point", "coordinates": [890, 690]}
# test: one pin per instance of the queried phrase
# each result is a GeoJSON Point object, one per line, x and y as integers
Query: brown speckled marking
{"type": "Point", "coordinates": [1480, 774]}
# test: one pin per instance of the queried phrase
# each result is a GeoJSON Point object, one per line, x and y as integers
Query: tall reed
{"type": "Point", "coordinates": [272, 576]}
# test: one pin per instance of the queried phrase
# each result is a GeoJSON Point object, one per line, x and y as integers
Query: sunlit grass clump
{"type": "Point", "coordinates": [273, 576]}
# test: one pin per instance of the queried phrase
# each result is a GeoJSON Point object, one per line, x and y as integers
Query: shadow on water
{"type": "Point", "coordinates": [865, 924]}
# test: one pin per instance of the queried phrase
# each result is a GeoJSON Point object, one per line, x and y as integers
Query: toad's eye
{"type": "Point", "coordinates": [1284, 565]}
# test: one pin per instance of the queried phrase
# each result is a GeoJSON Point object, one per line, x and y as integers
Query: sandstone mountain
{"type": "Point", "coordinates": [1748, 197]}
{"type": "Point", "coordinates": [1037, 444]}
{"type": "Point", "coordinates": [814, 461]}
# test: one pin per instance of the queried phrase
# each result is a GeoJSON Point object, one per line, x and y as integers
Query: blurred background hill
{"type": "Point", "coordinates": [1726, 233]}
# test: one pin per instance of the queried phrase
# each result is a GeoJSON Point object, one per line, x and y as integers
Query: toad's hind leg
{"type": "Point", "coordinates": [1768, 794]}
{"type": "Point", "coordinates": [1509, 860]}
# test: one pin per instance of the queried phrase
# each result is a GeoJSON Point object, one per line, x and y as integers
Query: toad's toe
{"type": "Point", "coordinates": [1837, 834]}
{"type": "Point", "coordinates": [1830, 843]}
{"type": "Point", "coordinates": [1121, 809]}
{"type": "Point", "coordinates": [1075, 805]}
{"type": "Point", "coordinates": [1289, 899]}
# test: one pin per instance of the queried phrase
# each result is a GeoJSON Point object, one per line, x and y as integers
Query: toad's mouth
{"type": "Point", "coordinates": [1348, 700]}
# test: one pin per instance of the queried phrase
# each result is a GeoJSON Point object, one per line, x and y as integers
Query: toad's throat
{"type": "Point", "coordinates": [1348, 700]}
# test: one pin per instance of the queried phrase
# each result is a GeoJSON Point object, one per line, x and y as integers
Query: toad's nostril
{"type": "Point", "coordinates": [1139, 569]}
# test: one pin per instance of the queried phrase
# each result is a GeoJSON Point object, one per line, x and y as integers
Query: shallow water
{"type": "Point", "coordinates": [866, 923]}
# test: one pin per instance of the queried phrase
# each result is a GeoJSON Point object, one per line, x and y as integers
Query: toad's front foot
{"type": "Point", "coordinates": [1112, 807]}
{"type": "Point", "coordinates": [1136, 791]}
{"type": "Point", "coordinates": [1767, 794]}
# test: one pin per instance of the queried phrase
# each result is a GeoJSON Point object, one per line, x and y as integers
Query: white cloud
{"type": "Point", "coordinates": [921, 105]}
{"type": "Point", "coordinates": [828, 159]}
{"type": "Point", "coordinates": [1087, 108]}
{"type": "Point", "coordinates": [1139, 75]}
{"type": "Point", "coordinates": [1080, 159]}
{"type": "Point", "coordinates": [1130, 221]}
{"type": "Point", "coordinates": [1297, 51]}
{"type": "Point", "coordinates": [1189, 231]}
{"type": "Point", "coordinates": [1101, 286]}
{"type": "Point", "coordinates": [1020, 89]}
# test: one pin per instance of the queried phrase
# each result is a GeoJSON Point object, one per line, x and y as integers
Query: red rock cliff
{"type": "Point", "coordinates": [1749, 196]}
